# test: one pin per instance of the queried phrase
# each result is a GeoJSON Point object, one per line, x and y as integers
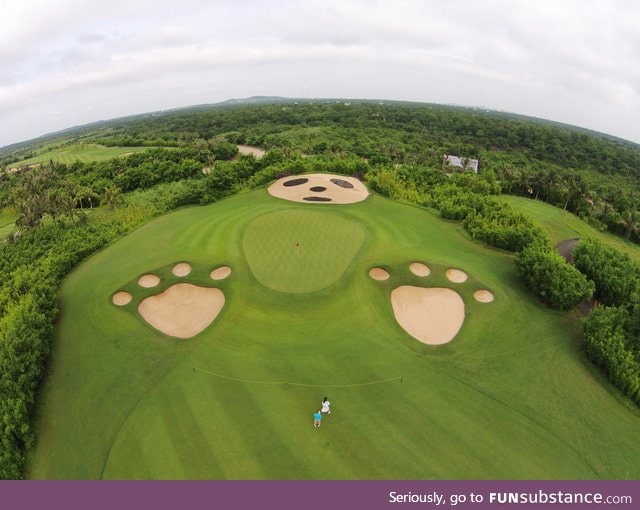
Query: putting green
{"type": "Point", "coordinates": [301, 251]}
{"type": "Point", "coordinates": [511, 396]}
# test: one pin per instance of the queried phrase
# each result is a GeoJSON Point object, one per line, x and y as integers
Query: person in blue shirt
{"type": "Point", "coordinates": [317, 418]}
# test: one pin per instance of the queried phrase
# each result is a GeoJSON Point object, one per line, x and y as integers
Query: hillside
{"type": "Point", "coordinates": [409, 125]}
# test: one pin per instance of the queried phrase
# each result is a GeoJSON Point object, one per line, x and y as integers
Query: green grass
{"type": "Point", "coordinates": [560, 225]}
{"type": "Point", "coordinates": [82, 152]}
{"type": "Point", "coordinates": [300, 250]}
{"type": "Point", "coordinates": [8, 218]}
{"type": "Point", "coordinates": [512, 396]}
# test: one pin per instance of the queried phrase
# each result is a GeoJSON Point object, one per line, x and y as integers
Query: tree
{"type": "Point", "coordinates": [630, 222]}
{"type": "Point", "coordinates": [31, 196]}
{"type": "Point", "coordinates": [86, 195]}
{"type": "Point", "coordinates": [615, 274]}
{"type": "Point", "coordinates": [111, 196]}
{"type": "Point", "coordinates": [610, 345]}
{"type": "Point", "coordinates": [69, 200]}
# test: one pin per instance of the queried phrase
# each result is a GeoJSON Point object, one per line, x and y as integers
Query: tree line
{"type": "Point", "coordinates": [594, 176]}
{"type": "Point", "coordinates": [612, 330]}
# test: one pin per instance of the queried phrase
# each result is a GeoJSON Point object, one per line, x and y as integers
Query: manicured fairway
{"type": "Point", "coordinates": [512, 396]}
{"type": "Point", "coordinates": [560, 225]}
{"type": "Point", "coordinates": [83, 152]}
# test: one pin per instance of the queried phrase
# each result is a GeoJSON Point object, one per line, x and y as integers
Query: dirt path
{"type": "Point", "coordinates": [566, 247]}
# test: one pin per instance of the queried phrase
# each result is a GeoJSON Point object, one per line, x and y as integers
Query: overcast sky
{"type": "Point", "coordinates": [71, 62]}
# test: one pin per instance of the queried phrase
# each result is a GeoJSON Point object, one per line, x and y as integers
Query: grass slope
{"type": "Point", "coordinates": [560, 225]}
{"type": "Point", "coordinates": [8, 218]}
{"type": "Point", "coordinates": [83, 152]}
{"type": "Point", "coordinates": [512, 396]}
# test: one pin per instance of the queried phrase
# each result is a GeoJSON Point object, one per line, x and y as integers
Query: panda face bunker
{"type": "Point", "coordinates": [320, 188]}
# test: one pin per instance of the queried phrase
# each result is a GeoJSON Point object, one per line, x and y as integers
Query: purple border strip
{"type": "Point", "coordinates": [318, 495]}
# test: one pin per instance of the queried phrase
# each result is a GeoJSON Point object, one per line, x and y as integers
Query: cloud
{"type": "Point", "coordinates": [556, 60]}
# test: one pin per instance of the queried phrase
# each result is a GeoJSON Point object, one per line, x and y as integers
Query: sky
{"type": "Point", "coordinates": [71, 62]}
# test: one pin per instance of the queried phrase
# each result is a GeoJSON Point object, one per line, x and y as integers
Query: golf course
{"type": "Point", "coordinates": [83, 152]}
{"type": "Point", "coordinates": [295, 317]}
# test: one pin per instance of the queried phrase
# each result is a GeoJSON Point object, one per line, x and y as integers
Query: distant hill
{"type": "Point", "coordinates": [267, 100]}
{"type": "Point", "coordinates": [351, 125]}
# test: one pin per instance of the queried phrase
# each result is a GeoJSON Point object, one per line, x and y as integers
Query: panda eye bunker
{"type": "Point", "coordinates": [320, 188]}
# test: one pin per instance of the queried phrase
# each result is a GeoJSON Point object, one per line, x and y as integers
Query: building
{"type": "Point", "coordinates": [460, 162]}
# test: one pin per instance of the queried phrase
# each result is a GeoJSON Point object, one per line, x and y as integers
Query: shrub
{"type": "Point", "coordinates": [617, 277]}
{"type": "Point", "coordinates": [503, 227]}
{"type": "Point", "coordinates": [551, 278]}
{"type": "Point", "coordinates": [607, 344]}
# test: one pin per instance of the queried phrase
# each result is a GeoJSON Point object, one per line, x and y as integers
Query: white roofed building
{"type": "Point", "coordinates": [460, 162]}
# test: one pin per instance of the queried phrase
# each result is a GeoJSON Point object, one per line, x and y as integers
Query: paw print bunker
{"type": "Point", "coordinates": [432, 315]}
{"type": "Point", "coordinates": [181, 310]}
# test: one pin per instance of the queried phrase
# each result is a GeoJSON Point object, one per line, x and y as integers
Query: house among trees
{"type": "Point", "coordinates": [460, 162]}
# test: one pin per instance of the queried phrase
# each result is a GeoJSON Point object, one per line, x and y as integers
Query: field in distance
{"type": "Point", "coordinates": [83, 152]}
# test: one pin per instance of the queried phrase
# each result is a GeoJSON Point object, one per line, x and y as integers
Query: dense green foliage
{"type": "Point", "coordinates": [616, 276]}
{"type": "Point", "coordinates": [33, 267]}
{"type": "Point", "coordinates": [557, 283]}
{"type": "Point", "coordinates": [503, 227]}
{"type": "Point", "coordinates": [612, 344]}
{"type": "Point", "coordinates": [612, 332]}
{"type": "Point", "coordinates": [592, 175]}
{"type": "Point", "coordinates": [412, 132]}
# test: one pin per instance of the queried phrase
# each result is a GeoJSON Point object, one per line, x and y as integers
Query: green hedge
{"type": "Point", "coordinates": [609, 345]}
{"type": "Point", "coordinates": [551, 278]}
{"type": "Point", "coordinates": [616, 275]}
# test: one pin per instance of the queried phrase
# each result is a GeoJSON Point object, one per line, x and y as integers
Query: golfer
{"type": "Point", "coordinates": [317, 418]}
{"type": "Point", "coordinates": [325, 406]}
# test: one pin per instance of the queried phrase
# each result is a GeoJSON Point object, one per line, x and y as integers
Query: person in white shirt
{"type": "Point", "coordinates": [325, 406]}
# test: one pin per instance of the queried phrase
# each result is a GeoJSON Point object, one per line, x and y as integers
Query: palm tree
{"type": "Point", "coordinates": [112, 196]}
{"type": "Point", "coordinates": [30, 198]}
{"type": "Point", "coordinates": [630, 222]}
{"type": "Point", "coordinates": [69, 201]}
{"type": "Point", "coordinates": [527, 182]}
{"type": "Point", "coordinates": [575, 189]}
{"type": "Point", "coordinates": [550, 179]}
{"type": "Point", "coordinates": [86, 193]}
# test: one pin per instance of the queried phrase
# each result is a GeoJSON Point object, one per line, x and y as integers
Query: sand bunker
{"type": "Point", "coordinates": [320, 188]}
{"type": "Point", "coordinates": [220, 273]}
{"type": "Point", "coordinates": [181, 269]}
{"type": "Point", "coordinates": [483, 296]}
{"type": "Point", "coordinates": [456, 276]}
{"type": "Point", "coordinates": [377, 273]}
{"type": "Point", "coordinates": [419, 269]}
{"type": "Point", "coordinates": [183, 310]}
{"type": "Point", "coordinates": [121, 298]}
{"type": "Point", "coordinates": [432, 315]}
{"type": "Point", "coordinates": [248, 149]}
{"type": "Point", "coordinates": [148, 281]}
